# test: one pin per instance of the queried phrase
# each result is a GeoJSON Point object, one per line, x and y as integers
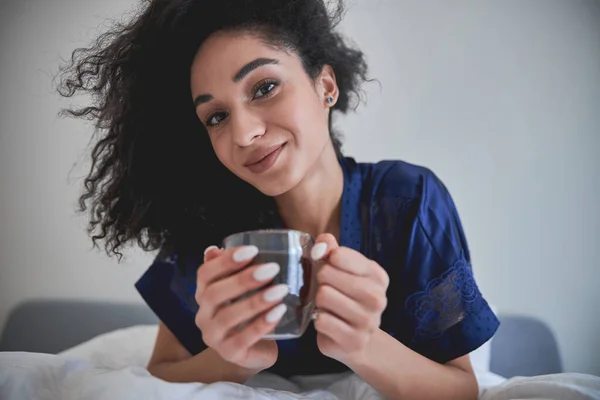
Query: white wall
{"type": "Point", "coordinates": [500, 99]}
{"type": "Point", "coordinates": [44, 250]}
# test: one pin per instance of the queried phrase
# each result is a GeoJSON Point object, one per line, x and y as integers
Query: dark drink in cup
{"type": "Point", "coordinates": [291, 251]}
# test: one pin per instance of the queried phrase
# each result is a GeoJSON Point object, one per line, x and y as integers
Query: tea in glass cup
{"type": "Point", "coordinates": [291, 250]}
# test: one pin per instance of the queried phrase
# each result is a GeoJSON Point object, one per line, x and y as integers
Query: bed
{"type": "Point", "coordinates": [37, 332]}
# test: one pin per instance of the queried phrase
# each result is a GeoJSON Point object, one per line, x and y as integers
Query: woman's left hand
{"type": "Point", "coordinates": [350, 300]}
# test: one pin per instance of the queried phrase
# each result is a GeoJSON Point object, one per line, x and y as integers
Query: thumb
{"type": "Point", "coordinates": [324, 244]}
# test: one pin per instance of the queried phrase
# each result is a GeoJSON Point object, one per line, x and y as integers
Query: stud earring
{"type": "Point", "coordinates": [330, 99]}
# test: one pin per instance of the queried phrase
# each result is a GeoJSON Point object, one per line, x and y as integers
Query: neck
{"type": "Point", "coordinates": [314, 205]}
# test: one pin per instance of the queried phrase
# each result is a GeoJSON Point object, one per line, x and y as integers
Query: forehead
{"type": "Point", "coordinates": [223, 54]}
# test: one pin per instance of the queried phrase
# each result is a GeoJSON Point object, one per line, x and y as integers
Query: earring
{"type": "Point", "coordinates": [330, 99]}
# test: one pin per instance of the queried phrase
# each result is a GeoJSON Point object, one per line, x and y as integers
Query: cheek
{"type": "Point", "coordinates": [305, 119]}
{"type": "Point", "coordinates": [222, 150]}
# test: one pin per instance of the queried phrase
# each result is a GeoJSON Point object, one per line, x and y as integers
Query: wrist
{"type": "Point", "coordinates": [242, 374]}
{"type": "Point", "coordinates": [231, 371]}
{"type": "Point", "coordinates": [361, 359]}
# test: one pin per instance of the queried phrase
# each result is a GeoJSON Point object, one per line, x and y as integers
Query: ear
{"type": "Point", "coordinates": [327, 87]}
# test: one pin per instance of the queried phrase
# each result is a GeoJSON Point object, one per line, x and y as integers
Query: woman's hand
{"type": "Point", "coordinates": [350, 299]}
{"type": "Point", "coordinates": [221, 280]}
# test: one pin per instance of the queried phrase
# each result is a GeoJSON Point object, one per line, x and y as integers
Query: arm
{"type": "Point", "coordinates": [400, 373]}
{"type": "Point", "coordinates": [436, 315]}
{"type": "Point", "coordinates": [204, 344]}
{"type": "Point", "coordinates": [350, 299]}
{"type": "Point", "coordinates": [171, 362]}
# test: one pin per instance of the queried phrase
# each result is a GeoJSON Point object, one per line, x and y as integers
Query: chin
{"type": "Point", "coordinates": [276, 186]}
{"type": "Point", "coordinates": [274, 189]}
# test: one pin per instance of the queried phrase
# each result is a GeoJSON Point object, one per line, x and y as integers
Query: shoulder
{"type": "Point", "coordinates": [401, 180]}
{"type": "Point", "coordinates": [411, 207]}
{"type": "Point", "coordinates": [172, 274]}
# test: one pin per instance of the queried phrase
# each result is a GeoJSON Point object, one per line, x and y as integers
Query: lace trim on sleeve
{"type": "Point", "coordinates": [445, 301]}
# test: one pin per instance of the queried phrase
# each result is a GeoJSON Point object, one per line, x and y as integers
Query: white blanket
{"type": "Point", "coordinates": [112, 367]}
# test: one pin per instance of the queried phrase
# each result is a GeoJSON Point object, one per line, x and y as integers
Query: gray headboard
{"type": "Point", "coordinates": [66, 323]}
{"type": "Point", "coordinates": [523, 346]}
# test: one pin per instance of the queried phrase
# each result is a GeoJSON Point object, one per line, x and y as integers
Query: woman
{"type": "Point", "coordinates": [217, 118]}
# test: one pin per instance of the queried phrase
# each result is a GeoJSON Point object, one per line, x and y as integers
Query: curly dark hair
{"type": "Point", "coordinates": [155, 178]}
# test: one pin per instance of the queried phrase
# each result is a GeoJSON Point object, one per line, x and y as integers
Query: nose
{"type": "Point", "coordinates": [247, 126]}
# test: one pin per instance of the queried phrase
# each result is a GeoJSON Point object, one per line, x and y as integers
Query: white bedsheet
{"type": "Point", "coordinates": [111, 367]}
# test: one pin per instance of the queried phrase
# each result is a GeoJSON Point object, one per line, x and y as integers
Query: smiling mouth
{"type": "Point", "coordinates": [266, 162]}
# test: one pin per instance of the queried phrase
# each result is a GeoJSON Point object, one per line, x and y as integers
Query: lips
{"type": "Point", "coordinates": [260, 160]}
{"type": "Point", "coordinates": [260, 154]}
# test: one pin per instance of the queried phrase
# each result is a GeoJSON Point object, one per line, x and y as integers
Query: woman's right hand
{"type": "Point", "coordinates": [219, 282]}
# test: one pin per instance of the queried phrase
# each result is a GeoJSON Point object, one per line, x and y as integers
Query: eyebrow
{"type": "Point", "coordinates": [242, 73]}
{"type": "Point", "coordinates": [203, 98]}
{"type": "Point", "coordinates": [251, 66]}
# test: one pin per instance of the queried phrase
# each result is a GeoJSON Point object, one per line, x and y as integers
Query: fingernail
{"type": "Point", "coordinates": [209, 248]}
{"type": "Point", "coordinates": [266, 271]}
{"type": "Point", "coordinates": [276, 313]}
{"type": "Point", "coordinates": [245, 253]}
{"type": "Point", "coordinates": [318, 251]}
{"type": "Point", "coordinates": [276, 292]}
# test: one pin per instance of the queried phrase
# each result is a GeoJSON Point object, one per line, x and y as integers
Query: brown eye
{"type": "Point", "coordinates": [265, 88]}
{"type": "Point", "coordinates": [215, 119]}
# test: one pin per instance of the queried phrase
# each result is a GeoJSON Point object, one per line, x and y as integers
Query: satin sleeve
{"type": "Point", "coordinates": [443, 314]}
{"type": "Point", "coordinates": [168, 287]}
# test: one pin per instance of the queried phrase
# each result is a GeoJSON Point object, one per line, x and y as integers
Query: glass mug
{"type": "Point", "coordinates": [291, 250]}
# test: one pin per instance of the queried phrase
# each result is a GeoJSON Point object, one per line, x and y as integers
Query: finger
{"type": "Point", "coordinates": [241, 341]}
{"type": "Point", "coordinates": [345, 336]}
{"type": "Point", "coordinates": [211, 253]}
{"type": "Point", "coordinates": [356, 263]}
{"type": "Point", "coordinates": [363, 290]}
{"type": "Point", "coordinates": [351, 261]}
{"type": "Point", "coordinates": [335, 302]}
{"type": "Point", "coordinates": [324, 244]}
{"type": "Point", "coordinates": [226, 290]}
{"type": "Point", "coordinates": [229, 261]}
{"type": "Point", "coordinates": [242, 311]}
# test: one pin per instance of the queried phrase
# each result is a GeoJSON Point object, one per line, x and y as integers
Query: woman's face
{"type": "Point", "coordinates": [266, 118]}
